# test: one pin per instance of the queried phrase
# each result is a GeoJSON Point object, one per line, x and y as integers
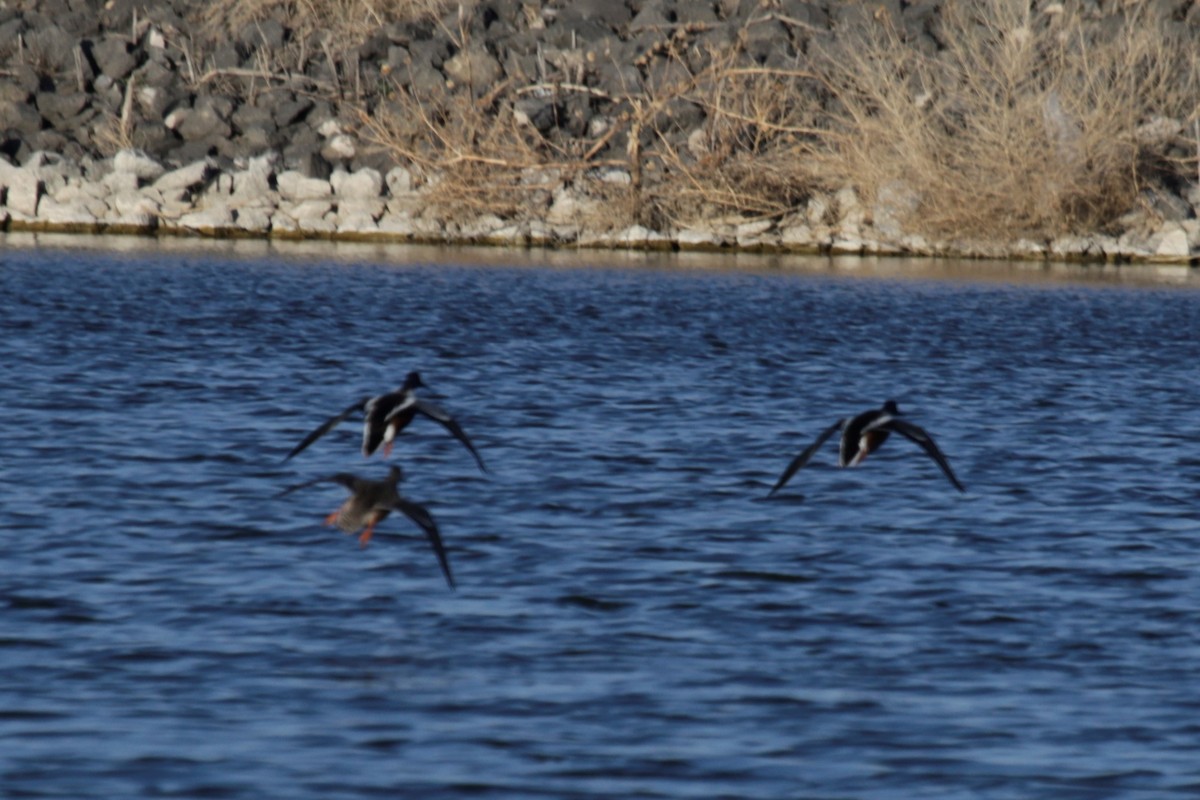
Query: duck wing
{"type": "Point", "coordinates": [328, 425]}
{"type": "Point", "coordinates": [437, 414]}
{"type": "Point", "coordinates": [918, 435]}
{"type": "Point", "coordinates": [802, 459]}
{"type": "Point", "coordinates": [424, 520]}
{"type": "Point", "coordinates": [350, 481]}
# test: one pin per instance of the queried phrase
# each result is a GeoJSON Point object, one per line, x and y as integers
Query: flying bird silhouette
{"type": "Point", "coordinates": [370, 502]}
{"type": "Point", "coordinates": [386, 415]}
{"type": "Point", "coordinates": [865, 433]}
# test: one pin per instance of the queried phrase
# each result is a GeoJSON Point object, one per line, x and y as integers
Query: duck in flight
{"type": "Point", "coordinates": [370, 503]}
{"type": "Point", "coordinates": [385, 415]}
{"type": "Point", "coordinates": [864, 434]}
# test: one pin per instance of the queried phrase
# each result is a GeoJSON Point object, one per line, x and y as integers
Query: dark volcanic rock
{"type": "Point", "coordinates": [20, 118]}
{"type": "Point", "coordinates": [61, 108]}
{"type": "Point", "coordinates": [114, 56]}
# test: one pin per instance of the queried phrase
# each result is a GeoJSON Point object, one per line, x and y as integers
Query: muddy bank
{"type": "Point", "coordinates": [149, 118]}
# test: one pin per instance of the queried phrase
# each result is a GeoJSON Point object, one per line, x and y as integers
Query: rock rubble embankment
{"type": "Point", "coordinates": [122, 117]}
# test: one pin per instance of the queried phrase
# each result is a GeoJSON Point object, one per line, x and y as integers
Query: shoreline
{"type": "Point", "coordinates": [901, 267]}
{"type": "Point", "coordinates": [207, 206]}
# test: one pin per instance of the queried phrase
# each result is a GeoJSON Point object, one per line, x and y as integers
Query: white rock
{"type": "Point", "coordinates": [307, 209]}
{"type": "Point", "coordinates": [1172, 242]}
{"type": "Point", "coordinates": [400, 225]}
{"type": "Point", "coordinates": [799, 237]}
{"type": "Point", "coordinates": [371, 207]}
{"type": "Point", "coordinates": [137, 164]}
{"type": "Point", "coordinates": [132, 204]}
{"type": "Point", "coordinates": [1193, 196]}
{"type": "Point", "coordinates": [296, 186]}
{"type": "Point", "coordinates": [73, 212]}
{"type": "Point", "coordinates": [254, 182]}
{"type": "Point", "coordinates": [1028, 248]}
{"type": "Point", "coordinates": [699, 239]}
{"type": "Point", "coordinates": [895, 202]}
{"type": "Point", "coordinates": [209, 219]}
{"type": "Point", "coordinates": [175, 118]}
{"type": "Point", "coordinates": [356, 223]}
{"type": "Point", "coordinates": [317, 224]}
{"type": "Point", "coordinates": [540, 234]}
{"type": "Point", "coordinates": [339, 147]}
{"type": "Point", "coordinates": [399, 181]}
{"type": "Point", "coordinates": [1070, 246]}
{"type": "Point", "coordinates": [817, 210]}
{"type": "Point", "coordinates": [281, 223]}
{"type": "Point", "coordinates": [121, 182]}
{"type": "Point", "coordinates": [916, 243]}
{"type": "Point", "coordinates": [481, 228]}
{"type": "Point", "coordinates": [748, 230]}
{"type": "Point", "coordinates": [510, 236]}
{"type": "Point", "coordinates": [851, 214]}
{"type": "Point", "coordinates": [254, 220]}
{"type": "Point", "coordinates": [410, 227]}
{"type": "Point", "coordinates": [1192, 227]}
{"type": "Point", "coordinates": [640, 236]}
{"type": "Point", "coordinates": [184, 178]}
{"type": "Point", "coordinates": [847, 245]}
{"type": "Point", "coordinates": [53, 170]}
{"type": "Point", "coordinates": [615, 175]}
{"type": "Point", "coordinates": [570, 207]}
{"type": "Point", "coordinates": [364, 184]}
{"type": "Point", "coordinates": [24, 192]}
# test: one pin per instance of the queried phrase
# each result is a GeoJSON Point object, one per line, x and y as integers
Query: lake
{"type": "Point", "coordinates": [633, 619]}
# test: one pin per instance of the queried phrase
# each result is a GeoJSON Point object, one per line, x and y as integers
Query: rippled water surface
{"type": "Point", "coordinates": [633, 620]}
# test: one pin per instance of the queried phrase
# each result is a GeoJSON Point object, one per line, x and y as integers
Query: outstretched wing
{"type": "Point", "coordinates": [802, 459]}
{"type": "Point", "coordinates": [424, 520]}
{"type": "Point", "coordinates": [437, 414]}
{"type": "Point", "coordinates": [346, 479]}
{"type": "Point", "coordinates": [918, 435]}
{"type": "Point", "coordinates": [329, 425]}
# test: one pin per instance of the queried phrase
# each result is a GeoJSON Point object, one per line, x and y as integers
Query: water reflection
{"type": "Point", "coordinates": [873, 267]}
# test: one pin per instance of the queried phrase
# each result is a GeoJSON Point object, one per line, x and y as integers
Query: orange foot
{"type": "Point", "coordinates": [365, 536]}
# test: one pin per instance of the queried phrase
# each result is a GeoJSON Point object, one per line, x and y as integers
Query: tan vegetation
{"type": "Point", "coordinates": [343, 22]}
{"type": "Point", "coordinates": [1023, 125]}
{"type": "Point", "coordinates": [1023, 122]}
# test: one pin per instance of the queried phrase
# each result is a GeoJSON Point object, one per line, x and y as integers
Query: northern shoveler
{"type": "Point", "coordinates": [370, 502]}
{"type": "Point", "coordinates": [862, 435]}
{"type": "Point", "coordinates": [386, 415]}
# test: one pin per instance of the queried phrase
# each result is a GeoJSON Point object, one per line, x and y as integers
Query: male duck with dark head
{"type": "Point", "coordinates": [386, 415]}
{"type": "Point", "coordinates": [370, 502]}
{"type": "Point", "coordinates": [865, 433]}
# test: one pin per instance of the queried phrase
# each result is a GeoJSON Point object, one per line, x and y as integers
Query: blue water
{"type": "Point", "coordinates": [632, 620]}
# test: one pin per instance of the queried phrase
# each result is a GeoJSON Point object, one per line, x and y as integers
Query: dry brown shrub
{"type": "Point", "coordinates": [745, 160]}
{"type": "Point", "coordinates": [475, 162]}
{"type": "Point", "coordinates": [1023, 124]}
{"type": "Point", "coordinates": [346, 22]}
{"type": "Point", "coordinates": [478, 156]}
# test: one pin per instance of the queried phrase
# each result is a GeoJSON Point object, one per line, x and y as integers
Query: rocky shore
{"type": "Point", "coordinates": [133, 117]}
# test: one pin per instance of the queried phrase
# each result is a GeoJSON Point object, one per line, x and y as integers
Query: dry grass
{"type": "Point", "coordinates": [1022, 125]}
{"type": "Point", "coordinates": [745, 160]}
{"type": "Point", "coordinates": [344, 22]}
{"type": "Point", "coordinates": [475, 161]}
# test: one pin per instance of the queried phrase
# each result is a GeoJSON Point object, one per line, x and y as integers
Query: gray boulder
{"type": "Point", "coordinates": [113, 57]}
